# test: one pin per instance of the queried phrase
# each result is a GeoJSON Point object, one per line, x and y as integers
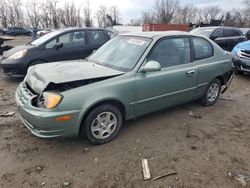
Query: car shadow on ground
{"type": "Point", "coordinates": [131, 126]}
{"type": "Point", "coordinates": [12, 80]}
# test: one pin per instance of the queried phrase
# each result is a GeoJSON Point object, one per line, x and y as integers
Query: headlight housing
{"type": "Point", "coordinates": [49, 100]}
{"type": "Point", "coordinates": [18, 54]}
{"type": "Point", "coordinates": [238, 53]}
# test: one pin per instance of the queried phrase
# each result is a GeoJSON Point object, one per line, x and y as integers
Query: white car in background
{"type": "Point", "coordinates": [44, 32]}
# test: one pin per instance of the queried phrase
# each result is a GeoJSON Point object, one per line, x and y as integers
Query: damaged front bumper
{"type": "Point", "coordinates": [43, 122]}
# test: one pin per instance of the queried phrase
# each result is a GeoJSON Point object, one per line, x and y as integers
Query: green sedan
{"type": "Point", "coordinates": [130, 76]}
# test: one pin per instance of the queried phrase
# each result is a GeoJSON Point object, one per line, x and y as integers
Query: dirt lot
{"type": "Point", "coordinates": [220, 133]}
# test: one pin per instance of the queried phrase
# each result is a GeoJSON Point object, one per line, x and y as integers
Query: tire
{"type": "Point", "coordinates": [212, 93]}
{"type": "Point", "coordinates": [102, 124]}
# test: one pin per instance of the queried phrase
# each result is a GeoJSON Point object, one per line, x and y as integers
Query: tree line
{"type": "Point", "coordinates": [170, 11]}
{"type": "Point", "coordinates": [48, 14]}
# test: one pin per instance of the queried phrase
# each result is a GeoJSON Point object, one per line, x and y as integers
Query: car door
{"type": "Point", "coordinates": [219, 38]}
{"type": "Point", "coordinates": [73, 45]}
{"type": "Point", "coordinates": [176, 81]}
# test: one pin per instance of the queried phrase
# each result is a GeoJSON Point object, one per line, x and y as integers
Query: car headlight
{"type": "Point", "coordinates": [238, 53]}
{"type": "Point", "coordinates": [49, 100]}
{"type": "Point", "coordinates": [18, 54]}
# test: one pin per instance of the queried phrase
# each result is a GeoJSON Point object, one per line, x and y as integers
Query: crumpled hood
{"type": "Point", "coordinates": [16, 49]}
{"type": "Point", "coordinates": [39, 76]}
{"type": "Point", "coordinates": [244, 45]}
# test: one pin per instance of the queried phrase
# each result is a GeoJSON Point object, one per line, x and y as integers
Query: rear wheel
{"type": "Point", "coordinates": [212, 93]}
{"type": "Point", "coordinates": [102, 124]}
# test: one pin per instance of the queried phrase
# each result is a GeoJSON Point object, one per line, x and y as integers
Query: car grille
{"type": "Point", "coordinates": [246, 67]}
{"type": "Point", "coordinates": [245, 54]}
{"type": "Point", "coordinates": [24, 94]}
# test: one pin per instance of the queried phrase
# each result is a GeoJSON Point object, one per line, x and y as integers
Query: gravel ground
{"type": "Point", "coordinates": [201, 149]}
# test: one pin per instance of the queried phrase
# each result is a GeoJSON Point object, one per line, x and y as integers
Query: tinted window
{"type": "Point", "coordinates": [72, 39]}
{"type": "Point", "coordinates": [96, 37]}
{"type": "Point", "coordinates": [218, 33]}
{"type": "Point", "coordinates": [236, 33]}
{"type": "Point", "coordinates": [228, 32]}
{"type": "Point", "coordinates": [202, 48]}
{"type": "Point", "coordinates": [110, 34]}
{"type": "Point", "coordinates": [171, 52]}
{"type": "Point", "coordinates": [51, 44]}
{"type": "Point", "coordinates": [46, 37]}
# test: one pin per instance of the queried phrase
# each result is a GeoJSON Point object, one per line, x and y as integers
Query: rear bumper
{"type": "Point", "coordinates": [41, 122]}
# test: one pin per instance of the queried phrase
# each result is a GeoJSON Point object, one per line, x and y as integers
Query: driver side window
{"type": "Point", "coordinates": [51, 44]}
{"type": "Point", "coordinates": [171, 52]}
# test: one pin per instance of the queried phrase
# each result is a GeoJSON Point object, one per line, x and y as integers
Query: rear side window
{"type": "Point", "coordinates": [96, 37]}
{"type": "Point", "coordinates": [228, 32]}
{"type": "Point", "coordinates": [202, 48]}
{"type": "Point", "coordinates": [218, 33]}
{"type": "Point", "coordinates": [236, 33]}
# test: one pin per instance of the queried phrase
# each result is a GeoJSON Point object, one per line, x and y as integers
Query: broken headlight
{"type": "Point", "coordinates": [49, 100]}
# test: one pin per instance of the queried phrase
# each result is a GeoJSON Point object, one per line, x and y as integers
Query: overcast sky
{"type": "Point", "coordinates": [131, 9]}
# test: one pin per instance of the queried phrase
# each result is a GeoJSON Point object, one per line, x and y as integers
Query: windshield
{"type": "Point", "coordinates": [203, 31]}
{"type": "Point", "coordinates": [46, 37]}
{"type": "Point", "coordinates": [122, 52]}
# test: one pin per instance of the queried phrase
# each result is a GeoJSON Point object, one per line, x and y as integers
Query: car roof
{"type": "Point", "coordinates": [217, 27]}
{"type": "Point", "coordinates": [153, 34]}
{"type": "Point", "coordinates": [81, 28]}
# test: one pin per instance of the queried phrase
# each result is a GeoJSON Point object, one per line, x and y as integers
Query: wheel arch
{"type": "Point", "coordinates": [35, 60]}
{"type": "Point", "coordinates": [117, 103]}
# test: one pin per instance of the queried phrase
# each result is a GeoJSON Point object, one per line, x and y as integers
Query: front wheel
{"type": "Point", "coordinates": [102, 124]}
{"type": "Point", "coordinates": [212, 93]}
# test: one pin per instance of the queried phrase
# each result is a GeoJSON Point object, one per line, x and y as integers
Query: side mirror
{"type": "Point", "coordinates": [58, 45]}
{"type": "Point", "coordinates": [151, 66]}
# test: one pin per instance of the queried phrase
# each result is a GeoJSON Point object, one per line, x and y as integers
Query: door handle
{"type": "Point", "coordinates": [190, 73]}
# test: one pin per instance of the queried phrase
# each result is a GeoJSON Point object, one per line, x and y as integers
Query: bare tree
{"type": "Point", "coordinates": [236, 18]}
{"type": "Point", "coordinates": [101, 16]}
{"type": "Point", "coordinates": [209, 12]}
{"type": "Point", "coordinates": [87, 14]}
{"type": "Point", "coordinates": [3, 13]}
{"type": "Point", "coordinates": [115, 15]}
{"type": "Point", "coordinates": [32, 8]}
{"type": "Point", "coordinates": [165, 10]}
{"type": "Point", "coordinates": [186, 14]}
{"type": "Point", "coordinates": [148, 17]}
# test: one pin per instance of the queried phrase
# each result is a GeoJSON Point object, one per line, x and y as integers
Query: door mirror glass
{"type": "Point", "coordinates": [58, 45]}
{"type": "Point", "coordinates": [151, 66]}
